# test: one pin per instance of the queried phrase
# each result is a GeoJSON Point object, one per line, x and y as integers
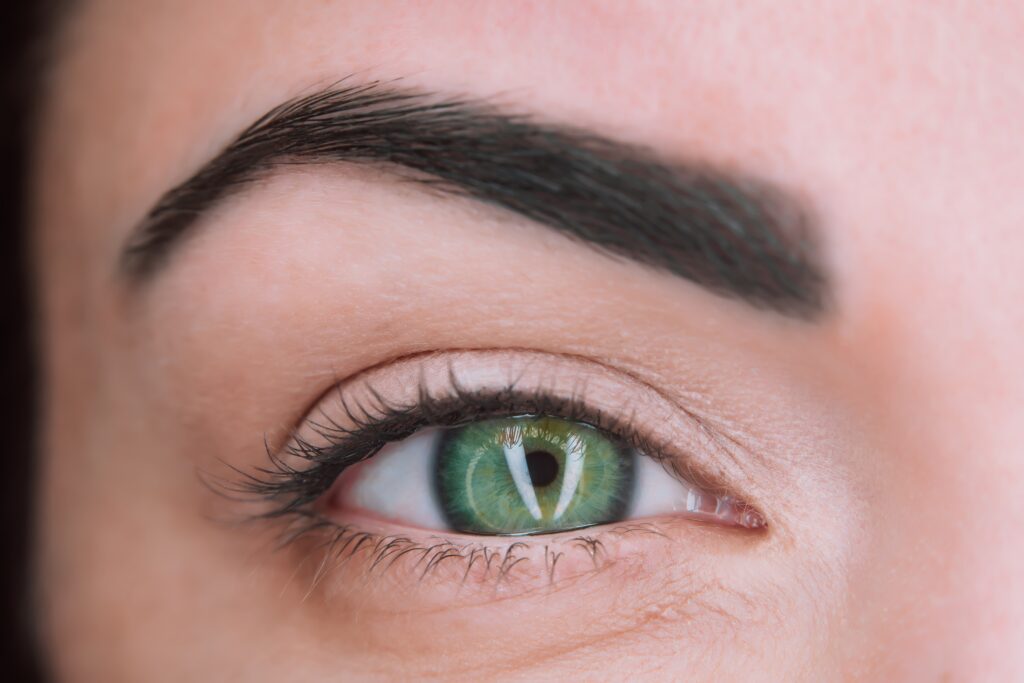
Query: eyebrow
{"type": "Point", "coordinates": [731, 234]}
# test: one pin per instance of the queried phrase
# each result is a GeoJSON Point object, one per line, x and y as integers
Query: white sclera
{"type": "Point", "coordinates": [660, 493]}
{"type": "Point", "coordinates": [657, 491]}
{"type": "Point", "coordinates": [398, 485]}
{"type": "Point", "coordinates": [398, 482]}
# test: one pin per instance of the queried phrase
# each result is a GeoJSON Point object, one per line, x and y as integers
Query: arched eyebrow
{"type": "Point", "coordinates": [732, 234]}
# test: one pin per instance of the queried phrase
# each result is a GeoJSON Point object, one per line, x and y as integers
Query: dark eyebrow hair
{"type": "Point", "coordinates": [731, 234]}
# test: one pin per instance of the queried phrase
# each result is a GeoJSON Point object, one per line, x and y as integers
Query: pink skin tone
{"type": "Point", "coordinates": [883, 444]}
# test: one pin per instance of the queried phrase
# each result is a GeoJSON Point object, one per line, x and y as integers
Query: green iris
{"type": "Point", "coordinates": [524, 475]}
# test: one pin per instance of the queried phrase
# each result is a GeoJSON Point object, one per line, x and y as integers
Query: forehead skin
{"type": "Point", "coordinates": [903, 122]}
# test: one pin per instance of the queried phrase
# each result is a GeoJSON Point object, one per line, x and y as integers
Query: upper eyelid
{"type": "Point", "coordinates": [337, 389]}
{"type": "Point", "coordinates": [338, 383]}
{"type": "Point", "coordinates": [716, 472]}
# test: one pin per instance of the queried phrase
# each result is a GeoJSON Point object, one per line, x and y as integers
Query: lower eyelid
{"type": "Point", "coordinates": [404, 569]}
{"type": "Point", "coordinates": [448, 570]}
{"type": "Point", "coordinates": [602, 587]}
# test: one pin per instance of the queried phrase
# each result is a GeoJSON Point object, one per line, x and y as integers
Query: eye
{"type": "Point", "coordinates": [528, 474]}
{"type": "Point", "coordinates": [421, 458]}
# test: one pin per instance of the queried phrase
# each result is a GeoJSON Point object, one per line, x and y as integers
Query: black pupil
{"type": "Point", "coordinates": [543, 467]}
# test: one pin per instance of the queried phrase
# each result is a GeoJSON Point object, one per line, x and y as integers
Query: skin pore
{"type": "Point", "coordinates": [880, 440]}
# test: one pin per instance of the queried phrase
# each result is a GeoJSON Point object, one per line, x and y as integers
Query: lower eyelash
{"type": "Point", "coordinates": [331, 546]}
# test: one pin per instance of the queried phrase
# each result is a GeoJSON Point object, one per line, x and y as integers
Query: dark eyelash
{"type": "Point", "coordinates": [293, 489]}
{"type": "Point", "coordinates": [339, 543]}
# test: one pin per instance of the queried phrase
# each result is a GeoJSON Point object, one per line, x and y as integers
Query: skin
{"type": "Point", "coordinates": [882, 443]}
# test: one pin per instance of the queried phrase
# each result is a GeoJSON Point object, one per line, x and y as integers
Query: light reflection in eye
{"type": "Point", "coordinates": [524, 475]}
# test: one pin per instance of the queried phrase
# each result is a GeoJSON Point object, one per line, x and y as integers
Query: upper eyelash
{"type": "Point", "coordinates": [293, 490]}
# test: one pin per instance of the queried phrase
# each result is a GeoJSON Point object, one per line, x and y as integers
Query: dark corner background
{"type": "Point", "coordinates": [18, 33]}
